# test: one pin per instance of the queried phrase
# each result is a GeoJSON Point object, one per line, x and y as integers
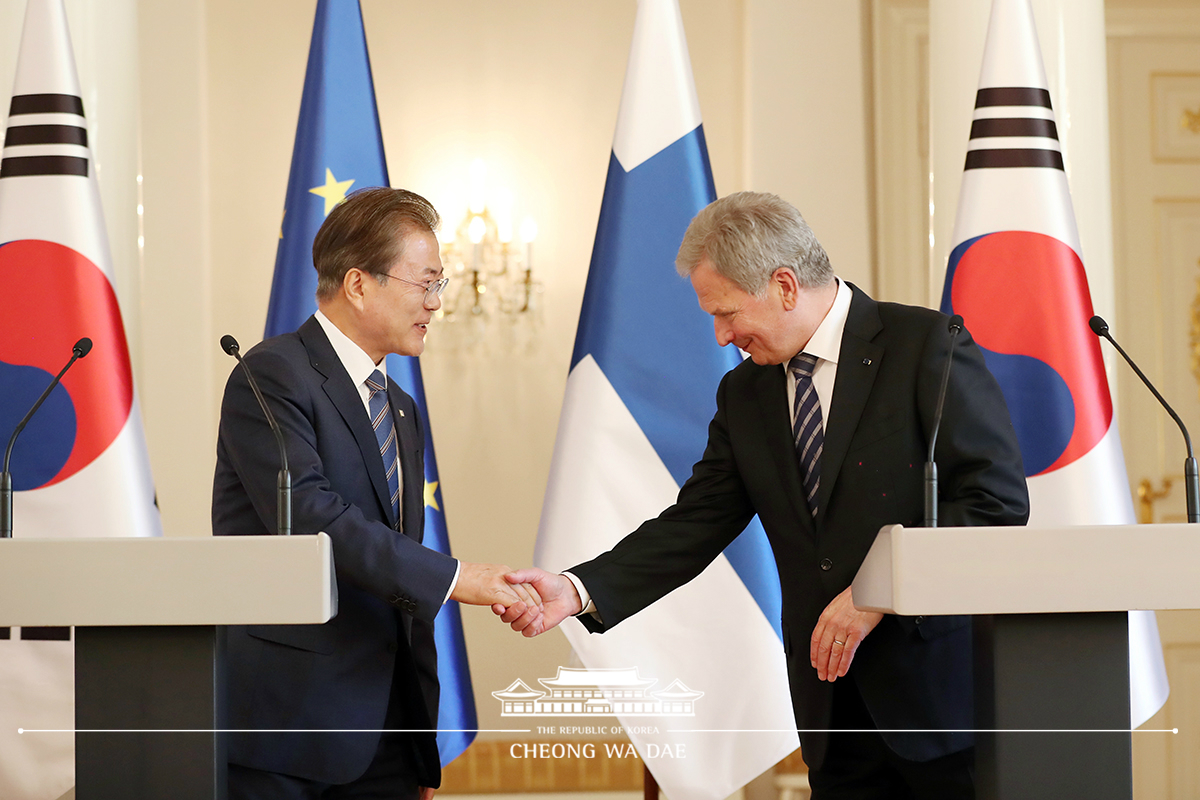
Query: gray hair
{"type": "Point", "coordinates": [747, 236]}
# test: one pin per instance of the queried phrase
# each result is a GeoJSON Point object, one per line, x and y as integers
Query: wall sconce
{"type": "Point", "coordinates": [493, 297]}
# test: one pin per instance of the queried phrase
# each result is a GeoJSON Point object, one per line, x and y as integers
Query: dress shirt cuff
{"type": "Point", "coordinates": [585, 597]}
{"type": "Point", "coordinates": [453, 583]}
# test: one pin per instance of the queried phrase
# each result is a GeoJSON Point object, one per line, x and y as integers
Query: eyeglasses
{"type": "Point", "coordinates": [432, 289]}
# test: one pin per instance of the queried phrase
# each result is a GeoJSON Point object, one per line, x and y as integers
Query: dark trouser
{"type": "Point", "coordinates": [860, 766]}
{"type": "Point", "coordinates": [389, 777]}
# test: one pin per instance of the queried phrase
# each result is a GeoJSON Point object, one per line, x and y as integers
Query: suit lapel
{"type": "Point", "coordinates": [346, 399]}
{"type": "Point", "coordinates": [412, 490]}
{"type": "Point", "coordinates": [771, 390]}
{"type": "Point", "coordinates": [858, 364]}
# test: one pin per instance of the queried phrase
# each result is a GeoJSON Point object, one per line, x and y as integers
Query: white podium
{"type": "Point", "coordinates": [1051, 638]}
{"type": "Point", "coordinates": [149, 640]}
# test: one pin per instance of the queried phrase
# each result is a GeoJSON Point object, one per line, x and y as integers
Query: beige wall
{"type": "Point", "coordinates": [533, 88]}
{"type": "Point", "coordinates": [176, 376]}
{"type": "Point", "coordinates": [808, 135]}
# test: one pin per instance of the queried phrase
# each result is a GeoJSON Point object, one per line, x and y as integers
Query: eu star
{"type": "Point", "coordinates": [333, 192]}
{"type": "Point", "coordinates": [431, 495]}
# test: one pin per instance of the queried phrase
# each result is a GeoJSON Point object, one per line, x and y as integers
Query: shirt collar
{"type": "Point", "coordinates": [826, 341]}
{"type": "Point", "coordinates": [356, 361]}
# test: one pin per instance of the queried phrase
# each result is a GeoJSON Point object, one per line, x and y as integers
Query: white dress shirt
{"type": "Point", "coordinates": [826, 345]}
{"type": "Point", "coordinates": [356, 361]}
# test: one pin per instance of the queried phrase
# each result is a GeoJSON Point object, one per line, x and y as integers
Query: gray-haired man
{"type": "Point", "coordinates": [823, 432]}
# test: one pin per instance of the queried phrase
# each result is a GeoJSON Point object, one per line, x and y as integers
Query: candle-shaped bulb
{"type": "Point", "coordinates": [476, 230]}
{"type": "Point", "coordinates": [478, 186]}
{"type": "Point", "coordinates": [528, 234]}
{"type": "Point", "coordinates": [529, 230]}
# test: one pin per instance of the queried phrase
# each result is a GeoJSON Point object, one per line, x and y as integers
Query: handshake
{"type": "Point", "coordinates": [532, 600]}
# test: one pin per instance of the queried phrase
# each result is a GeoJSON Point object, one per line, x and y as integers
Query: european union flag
{"type": "Point", "coordinates": [339, 148]}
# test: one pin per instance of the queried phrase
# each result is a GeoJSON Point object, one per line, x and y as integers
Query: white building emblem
{"type": "Point", "coordinates": [597, 692]}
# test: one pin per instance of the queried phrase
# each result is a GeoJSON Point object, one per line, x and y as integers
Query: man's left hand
{"type": "Point", "coordinates": [427, 793]}
{"type": "Point", "coordinates": [839, 632]}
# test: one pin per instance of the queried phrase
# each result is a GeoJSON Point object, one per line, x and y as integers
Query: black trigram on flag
{"type": "Point", "coordinates": [56, 634]}
{"type": "Point", "coordinates": [46, 136]}
{"type": "Point", "coordinates": [1024, 136]}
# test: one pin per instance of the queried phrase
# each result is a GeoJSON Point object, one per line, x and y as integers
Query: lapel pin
{"type": "Point", "coordinates": [400, 411]}
{"type": "Point", "coordinates": [867, 361]}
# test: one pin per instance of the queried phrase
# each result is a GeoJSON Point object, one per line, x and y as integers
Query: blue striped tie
{"type": "Point", "coordinates": [385, 434]}
{"type": "Point", "coordinates": [806, 427]}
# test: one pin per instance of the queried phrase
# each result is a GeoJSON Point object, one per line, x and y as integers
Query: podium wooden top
{"type": "Point", "coordinates": [1011, 570]}
{"type": "Point", "coordinates": [209, 580]}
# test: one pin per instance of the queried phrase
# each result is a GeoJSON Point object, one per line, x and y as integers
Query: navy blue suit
{"type": "Point", "coordinates": [339, 675]}
{"type": "Point", "coordinates": [911, 672]}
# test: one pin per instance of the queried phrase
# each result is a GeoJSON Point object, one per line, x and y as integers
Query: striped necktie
{"type": "Point", "coordinates": [806, 427]}
{"type": "Point", "coordinates": [385, 434]}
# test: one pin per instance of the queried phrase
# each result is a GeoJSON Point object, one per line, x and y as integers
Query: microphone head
{"type": "Point", "coordinates": [956, 324]}
{"type": "Point", "coordinates": [229, 345]}
{"type": "Point", "coordinates": [1098, 325]}
{"type": "Point", "coordinates": [82, 347]}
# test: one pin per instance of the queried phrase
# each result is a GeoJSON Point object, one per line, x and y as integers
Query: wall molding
{"type": "Point", "coordinates": [900, 46]}
{"type": "Point", "coordinates": [1152, 22]}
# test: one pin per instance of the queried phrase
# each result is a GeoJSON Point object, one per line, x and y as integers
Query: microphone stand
{"type": "Point", "coordinates": [1191, 475]}
{"type": "Point", "coordinates": [81, 349]}
{"type": "Point", "coordinates": [931, 474]}
{"type": "Point", "coordinates": [283, 488]}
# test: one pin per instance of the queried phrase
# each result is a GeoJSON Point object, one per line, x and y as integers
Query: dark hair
{"type": "Point", "coordinates": [366, 231]}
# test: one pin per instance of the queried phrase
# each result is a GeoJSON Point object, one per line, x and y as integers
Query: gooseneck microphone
{"type": "Point", "coordinates": [1191, 476]}
{"type": "Point", "coordinates": [81, 349]}
{"type": "Point", "coordinates": [931, 475]}
{"type": "Point", "coordinates": [283, 495]}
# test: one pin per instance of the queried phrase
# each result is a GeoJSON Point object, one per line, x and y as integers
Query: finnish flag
{"type": "Point", "coordinates": [639, 397]}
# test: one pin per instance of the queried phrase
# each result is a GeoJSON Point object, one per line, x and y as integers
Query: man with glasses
{"type": "Point", "coordinates": [355, 449]}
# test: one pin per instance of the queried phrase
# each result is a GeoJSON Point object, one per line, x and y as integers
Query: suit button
{"type": "Point", "coordinates": [826, 564]}
{"type": "Point", "coordinates": [395, 600]}
{"type": "Point", "coordinates": [919, 620]}
{"type": "Point", "coordinates": [392, 648]}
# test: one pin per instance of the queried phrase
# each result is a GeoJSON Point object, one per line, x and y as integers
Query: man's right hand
{"type": "Point", "coordinates": [484, 585]}
{"type": "Point", "coordinates": [559, 600]}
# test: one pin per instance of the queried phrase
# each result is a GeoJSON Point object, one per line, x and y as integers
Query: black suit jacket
{"type": "Point", "coordinates": [339, 675]}
{"type": "Point", "coordinates": [911, 672]}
